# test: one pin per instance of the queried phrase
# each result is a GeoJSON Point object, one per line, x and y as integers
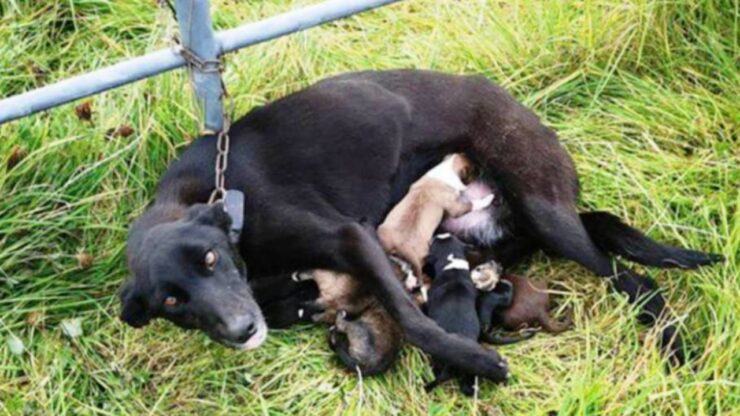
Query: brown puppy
{"type": "Point", "coordinates": [364, 335]}
{"type": "Point", "coordinates": [529, 307]}
{"type": "Point", "coordinates": [409, 227]}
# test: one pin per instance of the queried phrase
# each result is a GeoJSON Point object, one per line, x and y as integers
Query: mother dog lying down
{"type": "Point", "coordinates": [321, 168]}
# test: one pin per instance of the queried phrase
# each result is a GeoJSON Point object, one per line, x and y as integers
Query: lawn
{"type": "Point", "coordinates": [644, 94]}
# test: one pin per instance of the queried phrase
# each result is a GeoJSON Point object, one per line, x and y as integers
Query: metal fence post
{"type": "Point", "coordinates": [197, 36]}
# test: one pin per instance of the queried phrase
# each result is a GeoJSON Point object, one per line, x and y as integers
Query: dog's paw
{"type": "Point", "coordinates": [673, 347]}
{"type": "Point", "coordinates": [494, 368]}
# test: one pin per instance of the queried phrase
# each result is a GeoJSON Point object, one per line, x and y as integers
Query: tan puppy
{"type": "Point", "coordinates": [409, 227]}
{"type": "Point", "coordinates": [364, 335]}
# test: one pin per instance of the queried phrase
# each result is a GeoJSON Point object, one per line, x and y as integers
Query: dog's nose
{"type": "Point", "coordinates": [240, 329]}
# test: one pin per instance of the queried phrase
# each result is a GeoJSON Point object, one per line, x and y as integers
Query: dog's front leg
{"type": "Point", "coordinates": [361, 255]}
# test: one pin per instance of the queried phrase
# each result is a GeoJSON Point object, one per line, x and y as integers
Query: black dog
{"type": "Point", "coordinates": [451, 302]}
{"type": "Point", "coordinates": [315, 163]}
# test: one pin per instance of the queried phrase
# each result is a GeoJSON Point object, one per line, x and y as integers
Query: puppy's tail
{"type": "Point", "coordinates": [610, 234]}
{"type": "Point", "coordinates": [496, 339]}
{"type": "Point", "coordinates": [555, 327]}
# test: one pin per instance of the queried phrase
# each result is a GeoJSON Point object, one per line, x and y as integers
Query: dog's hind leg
{"type": "Point", "coordinates": [559, 228]}
{"type": "Point", "coordinates": [539, 179]}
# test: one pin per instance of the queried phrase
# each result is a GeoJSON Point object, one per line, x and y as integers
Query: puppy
{"type": "Point", "coordinates": [529, 308]}
{"type": "Point", "coordinates": [494, 302]}
{"type": "Point", "coordinates": [451, 304]}
{"type": "Point", "coordinates": [370, 342]}
{"type": "Point", "coordinates": [409, 226]}
{"type": "Point", "coordinates": [364, 335]}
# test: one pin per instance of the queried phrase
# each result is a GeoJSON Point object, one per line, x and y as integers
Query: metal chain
{"type": "Point", "coordinates": [222, 163]}
{"type": "Point", "coordinates": [223, 140]}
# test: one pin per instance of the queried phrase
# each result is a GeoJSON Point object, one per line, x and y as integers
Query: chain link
{"type": "Point", "coordinates": [223, 140]}
{"type": "Point", "coordinates": [222, 163]}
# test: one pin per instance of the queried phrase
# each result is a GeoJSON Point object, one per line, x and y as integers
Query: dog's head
{"type": "Point", "coordinates": [188, 272]}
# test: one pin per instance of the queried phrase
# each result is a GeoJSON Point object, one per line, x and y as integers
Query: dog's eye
{"type": "Point", "coordinates": [170, 301]}
{"type": "Point", "coordinates": [211, 259]}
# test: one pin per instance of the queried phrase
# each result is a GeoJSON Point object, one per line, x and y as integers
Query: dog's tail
{"type": "Point", "coordinates": [610, 234]}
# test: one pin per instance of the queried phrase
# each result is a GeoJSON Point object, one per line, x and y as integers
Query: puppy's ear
{"type": "Point", "coordinates": [214, 215]}
{"type": "Point", "coordinates": [134, 309]}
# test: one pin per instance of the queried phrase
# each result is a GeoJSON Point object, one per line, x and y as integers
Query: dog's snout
{"type": "Point", "coordinates": [240, 329]}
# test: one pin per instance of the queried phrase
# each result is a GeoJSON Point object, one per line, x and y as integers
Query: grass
{"type": "Point", "coordinates": [644, 94]}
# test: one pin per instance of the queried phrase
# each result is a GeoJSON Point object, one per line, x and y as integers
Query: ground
{"type": "Point", "coordinates": [644, 94]}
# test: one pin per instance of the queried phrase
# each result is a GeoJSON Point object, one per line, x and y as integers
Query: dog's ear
{"type": "Point", "coordinates": [134, 309]}
{"type": "Point", "coordinates": [213, 214]}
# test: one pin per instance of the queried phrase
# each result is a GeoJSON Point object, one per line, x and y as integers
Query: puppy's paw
{"type": "Point", "coordinates": [411, 282]}
{"type": "Point", "coordinates": [341, 322]}
{"type": "Point", "coordinates": [301, 276]}
{"type": "Point", "coordinates": [312, 311]}
{"type": "Point", "coordinates": [468, 386]}
{"type": "Point", "coordinates": [486, 276]}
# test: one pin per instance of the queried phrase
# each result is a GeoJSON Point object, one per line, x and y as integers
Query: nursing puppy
{"type": "Point", "coordinates": [529, 308]}
{"type": "Point", "coordinates": [451, 304]}
{"type": "Point", "coordinates": [363, 335]}
{"type": "Point", "coordinates": [410, 225]}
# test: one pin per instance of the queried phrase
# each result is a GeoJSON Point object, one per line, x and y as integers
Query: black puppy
{"type": "Point", "coordinates": [283, 301]}
{"type": "Point", "coordinates": [451, 302]}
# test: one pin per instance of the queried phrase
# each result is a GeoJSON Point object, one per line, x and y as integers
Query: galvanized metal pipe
{"type": "Point", "coordinates": [154, 63]}
{"type": "Point", "coordinates": [196, 33]}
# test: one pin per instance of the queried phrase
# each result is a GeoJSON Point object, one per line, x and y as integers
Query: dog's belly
{"type": "Point", "coordinates": [482, 227]}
